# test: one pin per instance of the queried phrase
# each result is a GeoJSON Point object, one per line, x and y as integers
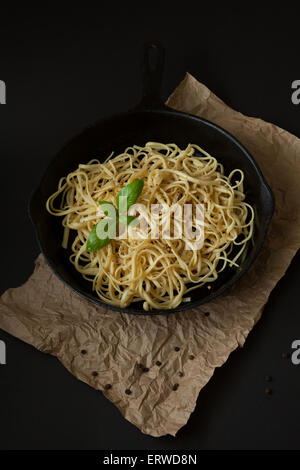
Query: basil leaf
{"type": "Point", "coordinates": [132, 191]}
{"type": "Point", "coordinates": [94, 243]}
{"type": "Point", "coordinates": [131, 218]}
{"type": "Point", "coordinates": [105, 202]}
{"type": "Point", "coordinates": [127, 219]}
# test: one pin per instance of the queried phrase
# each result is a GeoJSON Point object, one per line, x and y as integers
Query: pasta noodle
{"type": "Point", "coordinates": [159, 272]}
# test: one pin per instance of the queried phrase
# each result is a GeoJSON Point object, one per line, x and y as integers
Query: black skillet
{"type": "Point", "coordinates": [151, 120]}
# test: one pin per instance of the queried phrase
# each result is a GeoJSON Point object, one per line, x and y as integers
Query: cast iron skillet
{"type": "Point", "coordinates": [151, 120]}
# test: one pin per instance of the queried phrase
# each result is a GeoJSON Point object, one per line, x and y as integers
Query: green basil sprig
{"type": "Point", "coordinates": [132, 192]}
{"type": "Point", "coordinates": [94, 243]}
{"type": "Point", "coordinates": [102, 203]}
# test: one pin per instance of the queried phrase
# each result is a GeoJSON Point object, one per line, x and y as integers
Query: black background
{"type": "Point", "coordinates": [65, 70]}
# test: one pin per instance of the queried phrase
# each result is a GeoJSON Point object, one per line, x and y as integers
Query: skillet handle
{"type": "Point", "coordinates": [152, 65]}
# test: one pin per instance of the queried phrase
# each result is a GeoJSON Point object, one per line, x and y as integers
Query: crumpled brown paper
{"type": "Point", "coordinates": [47, 314]}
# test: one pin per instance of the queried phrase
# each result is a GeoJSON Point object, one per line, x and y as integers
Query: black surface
{"type": "Point", "coordinates": [66, 70]}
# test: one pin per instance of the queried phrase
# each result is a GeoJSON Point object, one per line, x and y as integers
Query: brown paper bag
{"type": "Point", "coordinates": [153, 368]}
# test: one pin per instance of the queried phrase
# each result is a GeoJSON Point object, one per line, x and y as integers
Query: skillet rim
{"type": "Point", "coordinates": [268, 197]}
